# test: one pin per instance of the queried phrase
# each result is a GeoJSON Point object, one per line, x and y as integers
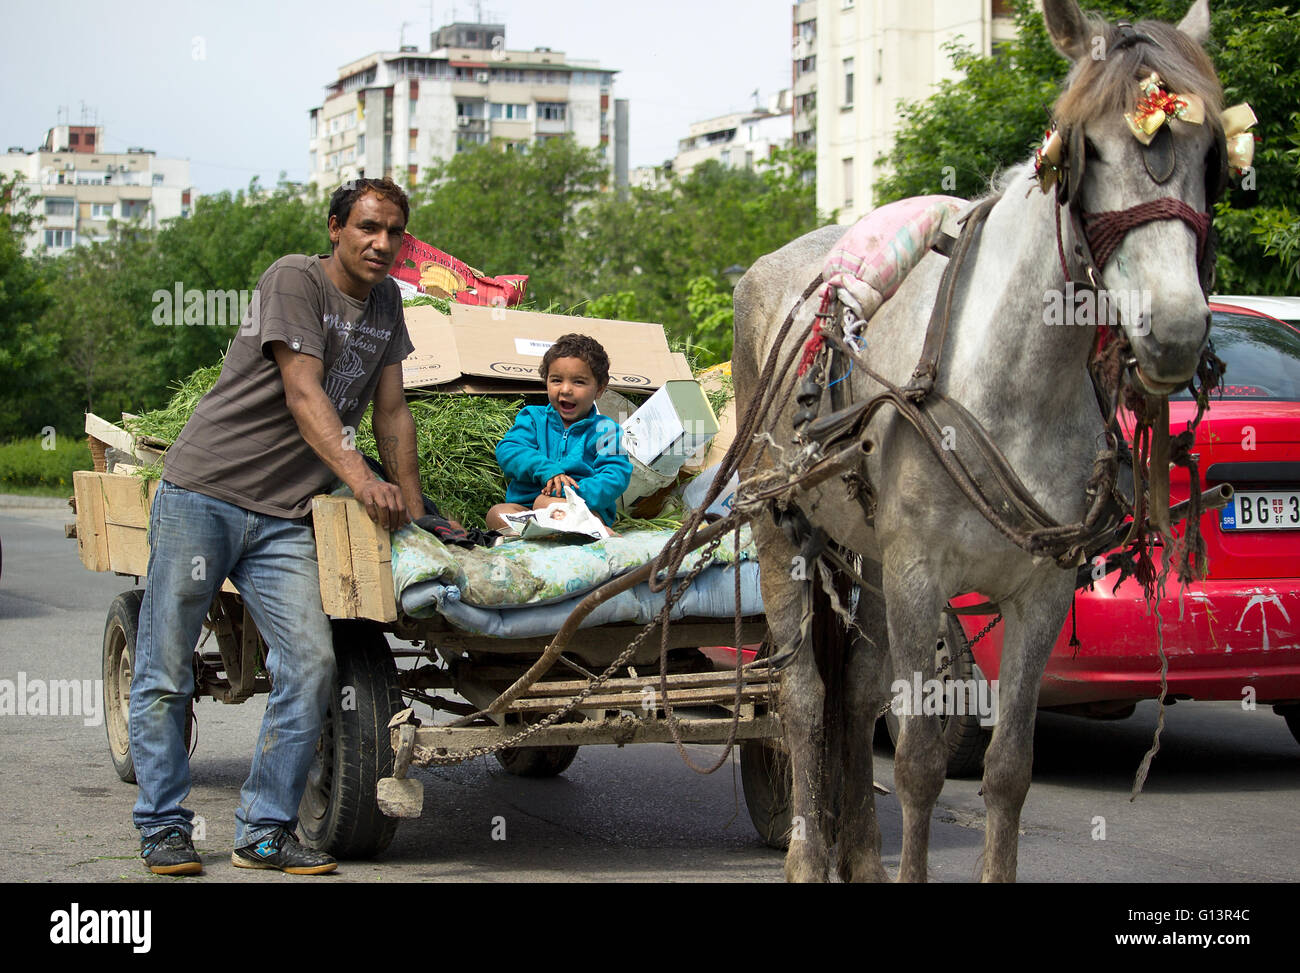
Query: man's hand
{"type": "Point", "coordinates": [319, 423]}
{"type": "Point", "coordinates": [556, 484]}
{"type": "Point", "coordinates": [384, 503]}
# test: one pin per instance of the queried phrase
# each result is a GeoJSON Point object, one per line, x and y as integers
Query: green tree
{"type": "Point", "coordinates": [26, 351]}
{"type": "Point", "coordinates": [993, 116]}
{"type": "Point", "coordinates": [509, 212]}
{"type": "Point", "coordinates": [654, 244]}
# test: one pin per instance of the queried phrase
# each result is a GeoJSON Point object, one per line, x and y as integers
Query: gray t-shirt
{"type": "Point", "coordinates": [242, 444]}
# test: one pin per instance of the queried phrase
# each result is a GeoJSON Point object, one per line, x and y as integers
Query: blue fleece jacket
{"type": "Point", "coordinates": [539, 447]}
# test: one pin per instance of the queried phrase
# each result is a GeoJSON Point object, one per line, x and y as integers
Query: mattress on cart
{"type": "Point", "coordinates": [525, 588]}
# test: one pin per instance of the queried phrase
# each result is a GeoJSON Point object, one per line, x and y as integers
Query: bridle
{"type": "Point", "coordinates": [1095, 236]}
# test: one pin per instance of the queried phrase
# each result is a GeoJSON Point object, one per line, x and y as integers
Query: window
{"type": "Point", "coordinates": [551, 111]}
{"type": "Point", "coordinates": [805, 66]}
{"type": "Point", "coordinates": [59, 206]}
{"type": "Point", "coordinates": [848, 183]}
{"type": "Point", "coordinates": [469, 109]}
{"type": "Point", "coordinates": [74, 138]}
{"type": "Point", "coordinates": [134, 209]}
{"type": "Point", "coordinates": [58, 239]}
{"type": "Point", "coordinates": [509, 113]}
{"type": "Point", "coordinates": [848, 82]}
{"type": "Point", "coordinates": [726, 158]}
{"type": "Point", "coordinates": [101, 211]}
{"type": "Point", "coordinates": [157, 178]}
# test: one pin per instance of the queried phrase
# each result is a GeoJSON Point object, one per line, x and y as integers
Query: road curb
{"type": "Point", "coordinates": [12, 500]}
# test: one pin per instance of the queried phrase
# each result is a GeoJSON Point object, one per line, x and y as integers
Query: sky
{"type": "Point", "coordinates": [228, 84]}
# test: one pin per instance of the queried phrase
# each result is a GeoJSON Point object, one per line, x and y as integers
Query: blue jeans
{"type": "Point", "coordinates": [196, 542]}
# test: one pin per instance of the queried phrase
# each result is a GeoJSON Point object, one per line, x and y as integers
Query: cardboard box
{"type": "Point", "coordinates": [497, 351]}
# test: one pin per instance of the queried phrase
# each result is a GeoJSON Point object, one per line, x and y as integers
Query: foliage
{"type": "Point", "coordinates": [712, 317]}
{"type": "Point", "coordinates": [509, 212]}
{"type": "Point", "coordinates": [27, 463]}
{"type": "Point", "coordinates": [648, 245]}
{"type": "Point", "coordinates": [955, 140]}
{"type": "Point", "coordinates": [27, 352]}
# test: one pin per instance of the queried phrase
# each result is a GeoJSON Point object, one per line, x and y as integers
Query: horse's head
{"type": "Point", "coordinates": [1141, 188]}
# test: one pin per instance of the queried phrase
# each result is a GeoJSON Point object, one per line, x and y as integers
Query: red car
{"type": "Point", "coordinates": [1236, 635]}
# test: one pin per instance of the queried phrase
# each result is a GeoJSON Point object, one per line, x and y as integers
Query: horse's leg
{"type": "Point", "coordinates": [859, 831]}
{"type": "Point", "coordinates": [800, 707]}
{"type": "Point", "coordinates": [921, 758]}
{"type": "Point", "coordinates": [1032, 622]}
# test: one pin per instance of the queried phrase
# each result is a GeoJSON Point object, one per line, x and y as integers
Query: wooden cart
{"type": "Point", "coordinates": [370, 740]}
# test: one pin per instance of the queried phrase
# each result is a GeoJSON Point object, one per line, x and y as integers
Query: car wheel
{"type": "Point", "coordinates": [120, 633]}
{"type": "Point", "coordinates": [1290, 713]}
{"type": "Point", "coordinates": [963, 734]}
{"type": "Point", "coordinates": [339, 812]}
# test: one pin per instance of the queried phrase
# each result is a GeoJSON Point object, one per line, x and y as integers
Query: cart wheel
{"type": "Point", "coordinates": [765, 776]}
{"type": "Point", "coordinates": [536, 761]}
{"type": "Point", "coordinates": [340, 812]}
{"type": "Point", "coordinates": [119, 664]}
{"type": "Point", "coordinates": [966, 738]}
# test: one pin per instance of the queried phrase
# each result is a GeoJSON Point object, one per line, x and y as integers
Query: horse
{"type": "Point", "coordinates": [1027, 385]}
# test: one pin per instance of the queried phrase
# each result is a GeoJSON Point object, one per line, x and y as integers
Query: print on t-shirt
{"type": "Point", "coordinates": [341, 384]}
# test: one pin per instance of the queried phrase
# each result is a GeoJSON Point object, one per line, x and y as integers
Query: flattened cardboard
{"type": "Point", "coordinates": [497, 351]}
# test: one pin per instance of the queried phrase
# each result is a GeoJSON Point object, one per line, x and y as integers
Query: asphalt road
{"type": "Point", "coordinates": [1222, 802]}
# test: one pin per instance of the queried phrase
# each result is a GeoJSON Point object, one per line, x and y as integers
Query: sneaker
{"type": "Point", "coordinates": [170, 852]}
{"type": "Point", "coordinates": [280, 849]}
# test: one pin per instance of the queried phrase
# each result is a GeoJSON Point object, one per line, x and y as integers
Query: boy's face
{"type": "Point", "coordinates": [571, 388]}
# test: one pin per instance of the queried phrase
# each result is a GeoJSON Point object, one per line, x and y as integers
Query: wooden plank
{"type": "Point", "coordinates": [372, 565]}
{"type": "Point", "coordinates": [128, 549]}
{"type": "Point", "coordinates": [619, 730]}
{"type": "Point", "coordinates": [107, 432]}
{"type": "Point", "coordinates": [334, 557]}
{"type": "Point", "coordinates": [723, 677]}
{"type": "Point", "coordinates": [682, 697]}
{"type": "Point", "coordinates": [92, 542]}
{"type": "Point", "coordinates": [126, 499]}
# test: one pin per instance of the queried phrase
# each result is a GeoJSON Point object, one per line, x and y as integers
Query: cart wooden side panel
{"type": "Point", "coordinates": [355, 560]}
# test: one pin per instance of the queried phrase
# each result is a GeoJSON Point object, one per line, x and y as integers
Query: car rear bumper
{"type": "Point", "coordinates": [1225, 638]}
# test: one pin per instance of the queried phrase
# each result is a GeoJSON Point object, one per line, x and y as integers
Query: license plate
{"type": "Point", "coordinates": [1256, 510]}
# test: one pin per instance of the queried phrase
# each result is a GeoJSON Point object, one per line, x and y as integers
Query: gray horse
{"type": "Point", "coordinates": [1028, 385]}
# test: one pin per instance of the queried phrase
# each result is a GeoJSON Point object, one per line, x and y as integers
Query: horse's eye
{"type": "Point", "coordinates": [1090, 150]}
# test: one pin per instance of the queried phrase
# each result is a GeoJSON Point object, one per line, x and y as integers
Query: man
{"type": "Point", "coordinates": [324, 337]}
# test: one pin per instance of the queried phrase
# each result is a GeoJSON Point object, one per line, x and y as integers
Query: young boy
{"type": "Point", "coordinates": [566, 443]}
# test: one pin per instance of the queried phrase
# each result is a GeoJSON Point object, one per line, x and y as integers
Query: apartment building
{"type": "Point", "coordinates": [737, 140]}
{"type": "Point", "coordinates": [854, 60]}
{"type": "Point", "coordinates": [393, 113]}
{"type": "Point", "coordinates": [76, 188]}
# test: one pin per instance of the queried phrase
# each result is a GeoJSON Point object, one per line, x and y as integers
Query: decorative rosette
{"type": "Point", "coordinates": [1156, 105]}
{"type": "Point", "coordinates": [1047, 159]}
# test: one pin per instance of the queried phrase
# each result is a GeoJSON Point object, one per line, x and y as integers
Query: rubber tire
{"type": "Point", "coordinates": [339, 812]}
{"type": "Point", "coordinates": [536, 761]}
{"type": "Point", "coordinates": [767, 782]}
{"type": "Point", "coordinates": [118, 664]}
{"type": "Point", "coordinates": [1290, 713]}
{"type": "Point", "coordinates": [965, 737]}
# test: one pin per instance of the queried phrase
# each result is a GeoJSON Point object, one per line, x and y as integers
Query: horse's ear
{"type": "Point", "coordinates": [1067, 27]}
{"type": "Point", "coordinates": [1196, 24]}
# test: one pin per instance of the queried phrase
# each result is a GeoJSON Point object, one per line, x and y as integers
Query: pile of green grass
{"type": "Point", "coordinates": [456, 438]}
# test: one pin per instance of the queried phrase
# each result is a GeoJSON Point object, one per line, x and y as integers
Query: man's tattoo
{"type": "Point", "coordinates": [388, 454]}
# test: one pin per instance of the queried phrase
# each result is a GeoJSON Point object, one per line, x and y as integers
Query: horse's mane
{"type": "Point", "coordinates": [1107, 86]}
